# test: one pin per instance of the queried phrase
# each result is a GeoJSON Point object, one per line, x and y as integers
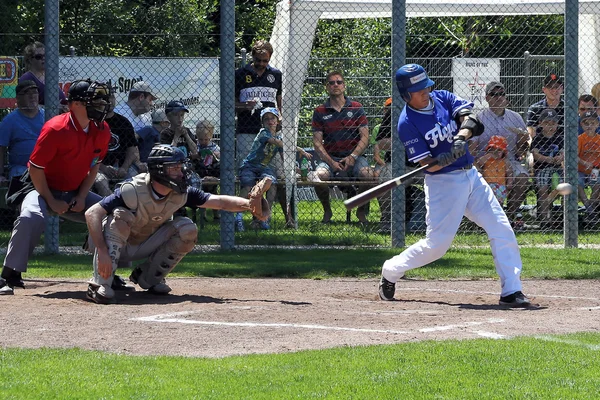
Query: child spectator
{"type": "Point", "coordinates": [150, 135]}
{"type": "Point", "coordinates": [547, 149]}
{"type": "Point", "coordinates": [209, 154]}
{"type": "Point", "coordinates": [256, 164]}
{"type": "Point", "coordinates": [589, 161]}
{"type": "Point", "coordinates": [495, 167]}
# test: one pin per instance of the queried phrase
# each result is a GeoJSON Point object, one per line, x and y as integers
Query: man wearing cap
{"type": "Point", "coordinates": [138, 105]}
{"type": "Point", "coordinates": [553, 89]}
{"type": "Point", "coordinates": [123, 159]}
{"type": "Point", "coordinates": [500, 121]}
{"type": "Point", "coordinates": [20, 129]}
{"type": "Point", "coordinates": [178, 135]}
{"type": "Point", "coordinates": [150, 135]}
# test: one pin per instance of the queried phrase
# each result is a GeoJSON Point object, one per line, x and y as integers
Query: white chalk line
{"type": "Point", "coordinates": [577, 343]}
{"type": "Point", "coordinates": [173, 318]}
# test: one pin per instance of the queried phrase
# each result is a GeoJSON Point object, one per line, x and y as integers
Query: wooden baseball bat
{"type": "Point", "coordinates": [365, 197]}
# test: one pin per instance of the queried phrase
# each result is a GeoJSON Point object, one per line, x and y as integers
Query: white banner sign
{"type": "Point", "coordinates": [194, 81]}
{"type": "Point", "coordinates": [471, 75]}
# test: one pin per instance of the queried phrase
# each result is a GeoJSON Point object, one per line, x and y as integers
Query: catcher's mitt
{"type": "Point", "coordinates": [258, 204]}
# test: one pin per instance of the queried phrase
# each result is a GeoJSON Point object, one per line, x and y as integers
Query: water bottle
{"type": "Point", "coordinates": [304, 169]}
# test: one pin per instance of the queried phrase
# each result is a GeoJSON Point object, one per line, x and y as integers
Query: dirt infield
{"type": "Point", "coordinates": [221, 317]}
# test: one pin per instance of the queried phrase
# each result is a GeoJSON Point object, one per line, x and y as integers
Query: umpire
{"type": "Point", "coordinates": [62, 169]}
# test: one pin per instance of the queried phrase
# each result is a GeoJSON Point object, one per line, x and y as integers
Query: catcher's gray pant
{"type": "Point", "coordinates": [163, 250]}
{"type": "Point", "coordinates": [30, 224]}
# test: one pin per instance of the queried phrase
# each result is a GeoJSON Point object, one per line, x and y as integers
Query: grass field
{"type": "Point", "coordinates": [549, 367]}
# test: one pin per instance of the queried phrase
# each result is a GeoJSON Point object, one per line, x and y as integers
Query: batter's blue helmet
{"type": "Point", "coordinates": [412, 78]}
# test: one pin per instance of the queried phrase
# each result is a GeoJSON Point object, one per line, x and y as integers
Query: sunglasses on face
{"type": "Point", "coordinates": [497, 94]}
{"type": "Point", "coordinates": [338, 82]}
{"type": "Point", "coordinates": [39, 56]}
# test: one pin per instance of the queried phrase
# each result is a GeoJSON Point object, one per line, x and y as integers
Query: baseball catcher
{"type": "Point", "coordinates": [135, 223]}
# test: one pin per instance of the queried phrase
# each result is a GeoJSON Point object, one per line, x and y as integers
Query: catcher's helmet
{"type": "Point", "coordinates": [412, 78]}
{"type": "Point", "coordinates": [95, 95]}
{"type": "Point", "coordinates": [161, 156]}
{"type": "Point", "coordinates": [269, 110]}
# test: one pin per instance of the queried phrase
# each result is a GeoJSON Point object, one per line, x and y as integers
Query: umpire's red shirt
{"type": "Point", "coordinates": [66, 152]}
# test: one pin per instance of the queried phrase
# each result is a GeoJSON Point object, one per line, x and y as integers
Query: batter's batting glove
{"type": "Point", "coordinates": [445, 159]}
{"type": "Point", "coordinates": [459, 146]}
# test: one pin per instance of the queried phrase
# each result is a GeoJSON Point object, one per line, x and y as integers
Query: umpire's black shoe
{"type": "Point", "coordinates": [120, 285]}
{"type": "Point", "coordinates": [387, 289]}
{"type": "Point", "coordinates": [5, 287]}
{"type": "Point", "coordinates": [515, 300]}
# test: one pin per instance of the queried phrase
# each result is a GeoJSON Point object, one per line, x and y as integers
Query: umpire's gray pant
{"type": "Point", "coordinates": [30, 224]}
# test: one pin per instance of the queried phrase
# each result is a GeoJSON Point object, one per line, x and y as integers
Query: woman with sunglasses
{"type": "Point", "coordinates": [35, 62]}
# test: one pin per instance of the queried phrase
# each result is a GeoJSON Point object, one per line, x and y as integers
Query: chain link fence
{"type": "Point", "coordinates": [176, 49]}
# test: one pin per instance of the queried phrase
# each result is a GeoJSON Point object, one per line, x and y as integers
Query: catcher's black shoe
{"type": "Point", "coordinates": [387, 289]}
{"type": "Point", "coordinates": [93, 294]}
{"type": "Point", "coordinates": [515, 300]}
{"type": "Point", "coordinates": [5, 287]}
{"type": "Point", "coordinates": [119, 284]}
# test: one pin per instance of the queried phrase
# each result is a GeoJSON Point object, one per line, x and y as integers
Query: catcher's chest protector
{"type": "Point", "coordinates": [149, 213]}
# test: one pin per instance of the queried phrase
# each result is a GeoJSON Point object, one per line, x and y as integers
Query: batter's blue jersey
{"type": "Point", "coordinates": [430, 132]}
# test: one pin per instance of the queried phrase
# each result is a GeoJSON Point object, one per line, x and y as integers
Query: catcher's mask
{"type": "Point", "coordinates": [95, 95]}
{"type": "Point", "coordinates": [161, 157]}
{"type": "Point", "coordinates": [412, 78]}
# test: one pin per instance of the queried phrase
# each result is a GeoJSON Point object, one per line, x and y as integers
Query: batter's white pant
{"type": "Point", "coordinates": [448, 197]}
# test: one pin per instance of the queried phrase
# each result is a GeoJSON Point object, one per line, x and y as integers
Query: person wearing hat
{"type": "Point", "coordinates": [586, 102]}
{"type": "Point", "coordinates": [495, 168]}
{"type": "Point", "coordinates": [588, 144]}
{"type": "Point", "coordinates": [501, 121]}
{"type": "Point", "coordinates": [547, 149]}
{"type": "Point", "coordinates": [139, 103]}
{"type": "Point", "coordinates": [256, 165]}
{"type": "Point", "coordinates": [19, 130]}
{"type": "Point", "coordinates": [150, 135]}
{"type": "Point", "coordinates": [177, 134]}
{"type": "Point", "coordinates": [553, 90]}
{"type": "Point", "coordinates": [62, 169]}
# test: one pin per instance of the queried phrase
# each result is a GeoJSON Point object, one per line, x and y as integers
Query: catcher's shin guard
{"type": "Point", "coordinates": [116, 233]}
{"type": "Point", "coordinates": [167, 256]}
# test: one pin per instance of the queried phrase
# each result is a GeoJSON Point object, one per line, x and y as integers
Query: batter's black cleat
{"type": "Point", "coordinates": [515, 300]}
{"type": "Point", "coordinates": [5, 287]}
{"type": "Point", "coordinates": [135, 274]}
{"type": "Point", "coordinates": [94, 293]}
{"type": "Point", "coordinates": [120, 285]}
{"type": "Point", "coordinates": [387, 289]}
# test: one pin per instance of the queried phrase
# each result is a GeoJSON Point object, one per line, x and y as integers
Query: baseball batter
{"type": "Point", "coordinates": [435, 126]}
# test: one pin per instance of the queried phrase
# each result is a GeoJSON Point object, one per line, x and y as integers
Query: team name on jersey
{"type": "Point", "coordinates": [440, 133]}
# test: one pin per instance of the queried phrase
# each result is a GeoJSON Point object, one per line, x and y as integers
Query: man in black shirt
{"type": "Point", "coordinates": [123, 159]}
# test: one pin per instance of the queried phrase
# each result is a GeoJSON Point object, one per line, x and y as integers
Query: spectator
{"type": "Point", "coordinates": [181, 137]}
{"type": "Point", "coordinates": [501, 121]}
{"type": "Point", "coordinates": [62, 168]}
{"type": "Point", "coordinates": [553, 89]}
{"type": "Point", "coordinates": [256, 165]}
{"type": "Point", "coordinates": [139, 103]}
{"type": "Point", "coordinates": [209, 152]}
{"type": "Point", "coordinates": [122, 161]}
{"type": "Point", "coordinates": [596, 91]}
{"type": "Point", "coordinates": [548, 155]}
{"type": "Point", "coordinates": [589, 162]}
{"type": "Point", "coordinates": [586, 102]}
{"type": "Point", "coordinates": [340, 137]}
{"type": "Point", "coordinates": [34, 57]}
{"type": "Point", "coordinates": [19, 130]}
{"type": "Point", "coordinates": [150, 135]}
{"type": "Point", "coordinates": [257, 85]}
{"type": "Point", "coordinates": [495, 168]}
